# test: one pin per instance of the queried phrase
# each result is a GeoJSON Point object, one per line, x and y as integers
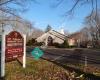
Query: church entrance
{"type": "Point", "coordinates": [50, 41]}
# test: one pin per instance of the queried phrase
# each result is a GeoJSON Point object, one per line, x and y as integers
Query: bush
{"type": "Point", "coordinates": [63, 45]}
{"type": "Point", "coordinates": [38, 43]}
{"type": "Point", "coordinates": [72, 46]}
{"type": "Point", "coordinates": [56, 44]}
{"type": "Point", "coordinates": [31, 42]}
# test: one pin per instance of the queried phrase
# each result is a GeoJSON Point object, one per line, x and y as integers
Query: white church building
{"type": "Point", "coordinates": [52, 36]}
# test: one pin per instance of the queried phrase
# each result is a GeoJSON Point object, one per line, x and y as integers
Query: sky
{"type": "Point", "coordinates": [45, 12]}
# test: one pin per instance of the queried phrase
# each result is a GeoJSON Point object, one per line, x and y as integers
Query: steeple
{"type": "Point", "coordinates": [62, 30]}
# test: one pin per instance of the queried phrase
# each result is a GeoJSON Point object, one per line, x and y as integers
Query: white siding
{"type": "Point", "coordinates": [56, 36]}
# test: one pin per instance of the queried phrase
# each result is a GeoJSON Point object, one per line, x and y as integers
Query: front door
{"type": "Point", "coordinates": [50, 41]}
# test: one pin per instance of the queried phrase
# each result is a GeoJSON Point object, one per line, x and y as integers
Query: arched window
{"type": "Point", "coordinates": [50, 41]}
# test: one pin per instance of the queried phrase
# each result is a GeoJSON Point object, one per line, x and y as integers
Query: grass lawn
{"type": "Point", "coordinates": [35, 70]}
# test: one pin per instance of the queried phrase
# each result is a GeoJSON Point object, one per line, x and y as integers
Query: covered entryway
{"type": "Point", "coordinates": [50, 41]}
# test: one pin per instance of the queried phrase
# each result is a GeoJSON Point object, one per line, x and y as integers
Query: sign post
{"type": "Point", "coordinates": [3, 56]}
{"type": "Point", "coordinates": [24, 56]}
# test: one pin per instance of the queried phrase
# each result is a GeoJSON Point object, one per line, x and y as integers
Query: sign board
{"type": "Point", "coordinates": [13, 46]}
{"type": "Point", "coordinates": [37, 53]}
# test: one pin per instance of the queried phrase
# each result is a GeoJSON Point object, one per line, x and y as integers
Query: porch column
{"type": "Point", "coordinates": [46, 42]}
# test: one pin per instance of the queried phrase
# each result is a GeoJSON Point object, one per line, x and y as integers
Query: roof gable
{"type": "Point", "coordinates": [57, 34]}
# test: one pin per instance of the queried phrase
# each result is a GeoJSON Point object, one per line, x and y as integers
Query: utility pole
{"type": "Point", "coordinates": [2, 24]}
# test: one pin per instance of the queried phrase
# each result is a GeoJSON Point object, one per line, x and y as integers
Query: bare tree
{"type": "Point", "coordinates": [17, 6]}
{"type": "Point", "coordinates": [9, 16]}
{"type": "Point", "coordinates": [78, 3]}
{"type": "Point", "coordinates": [16, 23]}
{"type": "Point", "coordinates": [84, 34]}
{"type": "Point", "coordinates": [11, 20]}
{"type": "Point", "coordinates": [93, 24]}
{"type": "Point", "coordinates": [36, 33]}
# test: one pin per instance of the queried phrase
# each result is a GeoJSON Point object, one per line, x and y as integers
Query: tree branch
{"type": "Point", "coordinates": [58, 3]}
{"type": "Point", "coordinates": [5, 2]}
{"type": "Point", "coordinates": [74, 6]}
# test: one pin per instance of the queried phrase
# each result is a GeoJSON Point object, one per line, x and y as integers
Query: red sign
{"type": "Point", "coordinates": [14, 46]}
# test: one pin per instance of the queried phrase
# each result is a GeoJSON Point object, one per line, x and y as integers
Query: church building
{"type": "Point", "coordinates": [51, 37]}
